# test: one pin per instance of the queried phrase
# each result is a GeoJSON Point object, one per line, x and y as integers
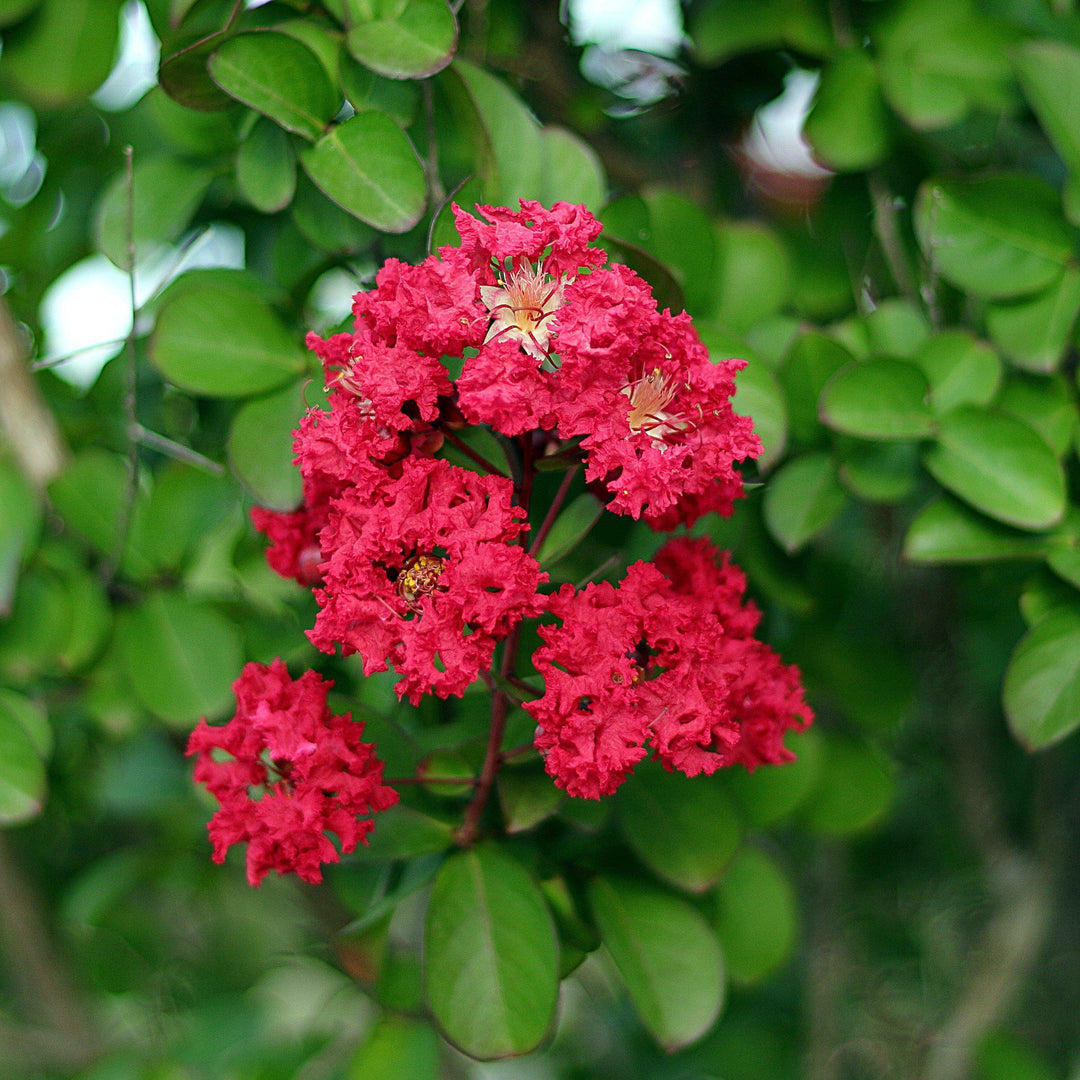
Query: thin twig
{"type": "Point", "coordinates": [887, 230]}
{"type": "Point", "coordinates": [54, 361]}
{"type": "Point", "coordinates": [175, 450]}
{"type": "Point", "coordinates": [553, 511]}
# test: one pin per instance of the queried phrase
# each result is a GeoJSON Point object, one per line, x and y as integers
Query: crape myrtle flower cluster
{"type": "Point", "coordinates": [424, 566]}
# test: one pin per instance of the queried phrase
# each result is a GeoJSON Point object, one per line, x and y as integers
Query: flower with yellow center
{"type": "Point", "coordinates": [523, 307]}
{"type": "Point", "coordinates": [419, 577]}
{"type": "Point", "coordinates": [650, 397]}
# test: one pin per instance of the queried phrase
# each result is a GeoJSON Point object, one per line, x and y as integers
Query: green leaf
{"type": "Point", "coordinates": [404, 833]}
{"type": "Point", "coordinates": [773, 792]}
{"type": "Point", "coordinates": [441, 766]}
{"type": "Point", "coordinates": [570, 528]}
{"type": "Point", "coordinates": [855, 791]}
{"type": "Point", "coordinates": [180, 658]}
{"type": "Point", "coordinates": [326, 225]}
{"type": "Point", "coordinates": [402, 39]}
{"type": "Point", "coordinates": [266, 168]}
{"type": "Point", "coordinates": [527, 798]}
{"type": "Point", "coordinates": [682, 237]}
{"type": "Point", "coordinates": [182, 72]}
{"type": "Point", "coordinates": [667, 955]}
{"type": "Point", "coordinates": [847, 126]}
{"type": "Point", "coordinates": [19, 526]}
{"type": "Point", "coordinates": [261, 446]}
{"type": "Point", "coordinates": [572, 170]}
{"type": "Point", "coordinates": [185, 505]}
{"type": "Point", "coordinates": [884, 472]}
{"type": "Point", "coordinates": [960, 369]}
{"type": "Point", "coordinates": [32, 717]}
{"type": "Point", "coordinates": [90, 623]}
{"type": "Point", "coordinates": [504, 132]}
{"type": "Point", "coordinates": [65, 52]}
{"type": "Point", "coordinates": [397, 1046]}
{"type": "Point", "coordinates": [166, 192]}
{"type": "Point", "coordinates": [878, 399]}
{"type": "Point", "coordinates": [758, 395]}
{"type": "Point", "coordinates": [278, 76]}
{"type": "Point", "coordinates": [1034, 333]}
{"type": "Point", "coordinates": [998, 237]}
{"type": "Point", "coordinates": [490, 955]}
{"type": "Point", "coordinates": [223, 341]}
{"type": "Point", "coordinates": [757, 916]}
{"type": "Point", "coordinates": [896, 328]}
{"type": "Point", "coordinates": [754, 274]}
{"type": "Point", "coordinates": [368, 166]}
{"type": "Point", "coordinates": [946, 531]}
{"type": "Point", "coordinates": [22, 771]}
{"type": "Point", "coordinates": [721, 30]}
{"type": "Point", "coordinates": [1046, 404]}
{"type": "Point", "coordinates": [1042, 682]}
{"type": "Point", "coordinates": [801, 500]}
{"type": "Point", "coordinates": [1050, 76]}
{"type": "Point", "coordinates": [11, 11]}
{"type": "Point", "coordinates": [1000, 466]}
{"type": "Point", "coordinates": [366, 90]}
{"type": "Point", "coordinates": [812, 362]}
{"type": "Point", "coordinates": [684, 830]}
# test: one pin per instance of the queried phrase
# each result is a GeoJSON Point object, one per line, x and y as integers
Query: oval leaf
{"type": "Point", "coordinates": [848, 124]}
{"type": "Point", "coordinates": [947, 532]}
{"type": "Point", "coordinates": [757, 916]}
{"type": "Point", "coordinates": [1042, 681]}
{"type": "Point", "coordinates": [180, 658]}
{"type": "Point", "coordinates": [572, 170]}
{"type": "Point", "coordinates": [490, 954]}
{"type": "Point", "coordinates": [1000, 466]}
{"type": "Point", "coordinates": [758, 395]}
{"type": "Point", "coordinates": [22, 772]}
{"type": "Point", "coordinates": [855, 790]}
{"type": "Point", "coordinates": [278, 76]}
{"type": "Point", "coordinates": [570, 528]}
{"type": "Point", "coordinates": [961, 370]}
{"type": "Point", "coordinates": [802, 499]}
{"type": "Point", "coordinates": [223, 341]}
{"type": "Point", "coordinates": [368, 166]}
{"type": "Point", "coordinates": [684, 830]}
{"type": "Point", "coordinates": [397, 1046]}
{"type": "Point", "coordinates": [1050, 76]}
{"type": "Point", "coordinates": [1034, 332]}
{"type": "Point", "coordinates": [266, 168]}
{"type": "Point", "coordinates": [667, 955]}
{"type": "Point", "coordinates": [998, 237]}
{"type": "Point", "coordinates": [409, 39]}
{"type": "Point", "coordinates": [878, 399]}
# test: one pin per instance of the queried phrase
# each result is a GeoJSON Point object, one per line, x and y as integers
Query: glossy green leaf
{"type": "Point", "coordinates": [570, 528]}
{"type": "Point", "coordinates": [1000, 466]}
{"type": "Point", "coordinates": [758, 395]}
{"type": "Point", "coordinates": [90, 623]}
{"type": "Point", "coordinates": [490, 955]}
{"type": "Point", "coordinates": [278, 76]}
{"type": "Point", "coordinates": [754, 274]}
{"type": "Point", "coordinates": [326, 225]}
{"type": "Point", "coordinates": [961, 370]}
{"type": "Point", "coordinates": [721, 30]}
{"type": "Point", "coordinates": [1042, 681]}
{"type": "Point", "coordinates": [847, 126]}
{"type": "Point", "coordinates": [1065, 562]}
{"type": "Point", "coordinates": [22, 771]}
{"type": "Point", "coordinates": [223, 341]}
{"type": "Point", "coordinates": [572, 170]}
{"type": "Point", "coordinates": [183, 74]}
{"type": "Point", "coordinates": [504, 131]}
{"type": "Point", "coordinates": [32, 717]}
{"type": "Point", "coordinates": [12, 11]}
{"type": "Point", "coordinates": [813, 360]}
{"type": "Point", "coordinates": [260, 446]}
{"type": "Point", "coordinates": [368, 166]}
{"type": "Point", "coordinates": [685, 831]}
{"type": "Point", "coordinates": [802, 499]}
{"type": "Point", "coordinates": [440, 767]}
{"type": "Point", "coordinates": [166, 192]}
{"type": "Point", "coordinates": [884, 472]}
{"type": "Point", "coordinates": [400, 100]}
{"type": "Point", "coordinates": [397, 1046]}
{"type": "Point", "coordinates": [66, 51]}
{"type": "Point", "coordinates": [180, 658]}
{"type": "Point", "coordinates": [1047, 404]}
{"type": "Point", "coordinates": [35, 630]}
{"type": "Point", "coordinates": [185, 505]}
{"type": "Point", "coordinates": [1050, 76]}
{"type": "Point", "coordinates": [757, 916]}
{"type": "Point", "coordinates": [878, 399]}
{"type": "Point", "coordinates": [999, 237]}
{"type": "Point", "coordinates": [682, 237]}
{"type": "Point", "coordinates": [527, 798]}
{"type": "Point", "coordinates": [1034, 333]}
{"type": "Point", "coordinates": [19, 525]}
{"type": "Point", "coordinates": [946, 531]}
{"type": "Point", "coordinates": [402, 39]}
{"type": "Point", "coordinates": [855, 790]}
{"type": "Point", "coordinates": [667, 955]}
{"type": "Point", "coordinates": [266, 168]}
{"type": "Point", "coordinates": [896, 327]}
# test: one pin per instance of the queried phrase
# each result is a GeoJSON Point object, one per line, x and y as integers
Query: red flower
{"type": "Point", "coordinates": [423, 572]}
{"type": "Point", "coordinates": [666, 659]}
{"type": "Point", "coordinates": [309, 767]}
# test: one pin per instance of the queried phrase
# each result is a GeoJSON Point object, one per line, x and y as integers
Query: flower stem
{"type": "Point", "coordinates": [553, 511]}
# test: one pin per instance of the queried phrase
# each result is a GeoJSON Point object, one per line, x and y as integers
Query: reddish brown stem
{"type": "Point", "coordinates": [553, 511]}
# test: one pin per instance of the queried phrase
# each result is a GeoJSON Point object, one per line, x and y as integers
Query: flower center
{"type": "Point", "coordinates": [523, 306]}
{"type": "Point", "coordinates": [419, 577]}
{"type": "Point", "coordinates": [650, 397]}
